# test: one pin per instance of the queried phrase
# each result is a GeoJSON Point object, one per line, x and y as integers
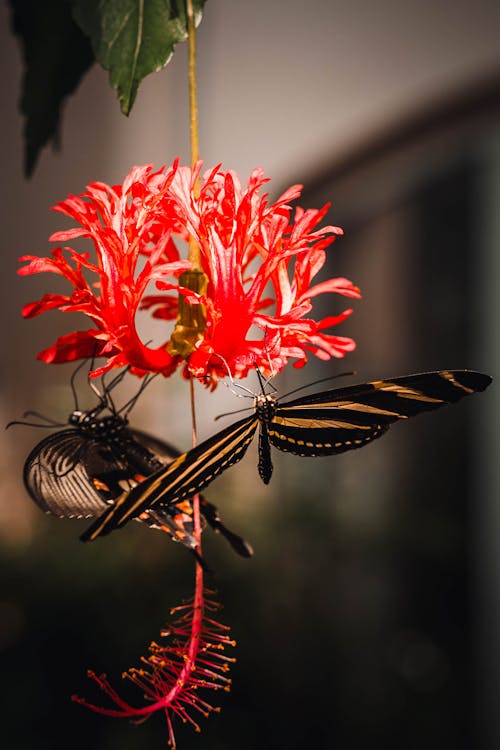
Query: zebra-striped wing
{"type": "Point", "coordinates": [166, 452]}
{"type": "Point", "coordinates": [186, 475]}
{"type": "Point", "coordinates": [342, 419]}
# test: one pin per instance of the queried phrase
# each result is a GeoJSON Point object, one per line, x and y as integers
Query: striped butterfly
{"type": "Point", "coordinates": [79, 472]}
{"type": "Point", "coordinates": [321, 424]}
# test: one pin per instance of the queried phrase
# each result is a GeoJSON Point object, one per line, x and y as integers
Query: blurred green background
{"type": "Point", "coordinates": [369, 615]}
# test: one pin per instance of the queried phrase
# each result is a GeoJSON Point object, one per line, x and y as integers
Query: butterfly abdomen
{"type": "Point", "coordinates": [265, 464]}
{"type": "Point", "coordinates": [265, 408]}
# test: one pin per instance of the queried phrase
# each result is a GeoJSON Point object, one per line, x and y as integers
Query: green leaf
{"type": "Point", "coordinates": [132, 38]}
{"type": "Point", "coordinates": [56, 56]}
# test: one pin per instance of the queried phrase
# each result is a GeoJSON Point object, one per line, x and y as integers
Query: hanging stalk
{"type": "Point", "coordinates": [191, 319]}
{"type": "Point", "coordinates": [192, 660]}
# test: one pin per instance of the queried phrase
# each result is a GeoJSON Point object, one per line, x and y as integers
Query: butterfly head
{"type": "Point", "coordinates": [265, 406]}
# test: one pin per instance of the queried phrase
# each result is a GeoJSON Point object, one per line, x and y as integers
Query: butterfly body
{"type": "Point", "coordinates": [321, 424]}
{"type": "Point", "coordinates": [265, 405]}
{"type": "Point", "coordinates": [90, 422]}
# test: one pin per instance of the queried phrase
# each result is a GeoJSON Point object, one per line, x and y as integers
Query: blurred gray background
{"type": "Point", "coordinates": [369, 615]}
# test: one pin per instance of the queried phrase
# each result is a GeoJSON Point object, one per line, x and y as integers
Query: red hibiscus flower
{"type": "Point", "coordinates": [259, 261]}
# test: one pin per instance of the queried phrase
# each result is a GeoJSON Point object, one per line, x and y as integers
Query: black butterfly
{"type": "Point", "coordinates": [321, 424]}
{"type": "Point", "coordinates": [81, 471]}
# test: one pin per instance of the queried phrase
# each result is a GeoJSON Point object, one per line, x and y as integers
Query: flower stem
{"type": "Point", "coordinates": [194, 250]}
{"type": "Point", "coordinates": [193, 94]}
{"type": "Point", "coordinates": [196, 498]}
{"type": "Point", "coordinates": [195, 257]}
{"type": "Point", "coordinates": [191, 319]}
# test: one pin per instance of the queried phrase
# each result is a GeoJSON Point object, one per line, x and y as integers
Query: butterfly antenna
{"type": "Point", "coordinates": [95, 389]}
{"type": "Point", "coordinates": [91, 383]}
{"type": "Point", "coordinates": [268, 357]}
{"type": "Point", "coordinates": [248, 393]}
{"type": "Point", "coordinates": [127, 408]}
{"type": "Point", "coordinates": [317, 382]}
{"type": "Point", "coordinates": [106, 397]}
{"type": "Point", "coordinates": [265, 382]}
{"type": "Point", "coordinates": [230, 413]}
{"type": "Point", "coordinates": [46, 419]}
{"type": "Point", "coordinates": [46, 423]}
{"type": "Point", "coordinates": [231, 386]}
{"type": "Point", "coordinates": [72, 383]}
{"type": "Point", "coordinates": [116, 380]}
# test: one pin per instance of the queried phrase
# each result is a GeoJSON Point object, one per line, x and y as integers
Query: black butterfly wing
{"type": "Point", "coordinates": [57, 480]}
{"type": "Point", "coordinates": [72, 475]}
{"type": "Point", "coordinates": [187, 475]}
{"type": "Point", "coordinates": [343, 419]}
{"type": "Point", "coordinates": [163, 452]}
